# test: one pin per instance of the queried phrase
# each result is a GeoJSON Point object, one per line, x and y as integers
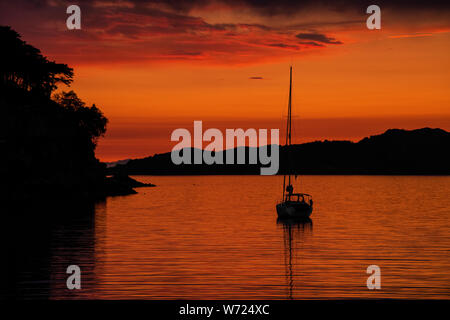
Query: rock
{"type": "Point", "coordinates": [122, 184]}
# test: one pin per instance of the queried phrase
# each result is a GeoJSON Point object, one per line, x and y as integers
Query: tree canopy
{"type": "Point", "coordinates": [89, 119]}
{"type": "Point", "coordinates": [24, 66]}
{"type": "Point", "coordinates": [24, 69]}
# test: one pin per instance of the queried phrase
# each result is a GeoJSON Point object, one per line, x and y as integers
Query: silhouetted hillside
{"type": "Point", "coordinates": [47, 143]}
{"type": "Point", "coordinates": [421, 151]}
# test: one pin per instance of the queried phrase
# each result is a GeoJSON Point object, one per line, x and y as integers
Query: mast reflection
{"type": "Point", "coordinates": [295, 232]}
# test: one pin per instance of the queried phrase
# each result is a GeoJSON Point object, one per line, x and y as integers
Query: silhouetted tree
{"type": "Point", "coordinates": [48, 143]}
{"type": "Point", "coordinates": [24, 66]}
{"type": "Point", "coordinates": [89, 119]}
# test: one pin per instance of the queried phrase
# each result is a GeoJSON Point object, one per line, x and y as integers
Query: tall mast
{"type": "Point", "coordinates": [290, 104]}
{"type": "Point", "coordinates": [290, 119]}
{"type": "Point", "coordinates": [288, 131]}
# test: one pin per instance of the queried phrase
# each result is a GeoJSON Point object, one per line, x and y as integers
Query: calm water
{"type": "Point", "coordinates": [217, 237]}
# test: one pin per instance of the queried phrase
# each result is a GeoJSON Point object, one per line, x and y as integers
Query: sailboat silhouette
{"type": "Point", "coordinates": [292, 205]}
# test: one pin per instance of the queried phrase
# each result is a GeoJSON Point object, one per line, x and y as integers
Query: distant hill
{"type": "Point", "coordinates": [396, 151]}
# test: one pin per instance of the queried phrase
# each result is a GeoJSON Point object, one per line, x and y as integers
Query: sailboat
{"type": "Point", "coordinates": [293, 205]}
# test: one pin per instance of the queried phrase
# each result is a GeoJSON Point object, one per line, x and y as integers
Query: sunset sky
{"type": "Point", "coordinates": [154, 66]}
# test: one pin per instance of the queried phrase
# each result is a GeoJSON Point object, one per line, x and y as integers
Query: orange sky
{"type": "Point", "coordinates": [155, 68]}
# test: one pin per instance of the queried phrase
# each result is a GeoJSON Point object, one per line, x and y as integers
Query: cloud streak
{"type": "Point", "coordinates": [317, 38]}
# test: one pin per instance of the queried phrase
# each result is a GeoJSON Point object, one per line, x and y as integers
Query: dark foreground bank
{"type": "Point", "coordinates": [48, 139]}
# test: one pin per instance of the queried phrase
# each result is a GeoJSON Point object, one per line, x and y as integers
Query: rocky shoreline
{"type": "Point", "coordinates": [122, 184]}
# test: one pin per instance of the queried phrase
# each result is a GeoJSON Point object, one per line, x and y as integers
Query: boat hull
{"type": "Point", "coordinates": [296, 210]}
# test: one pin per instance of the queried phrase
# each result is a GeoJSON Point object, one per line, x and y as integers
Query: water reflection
{"type": "Point", "coordinates": [42, 239]}
{"type": "Point", "coordinates": [222, 242]}
{"type": "Point", "coordinates": [295, 232]}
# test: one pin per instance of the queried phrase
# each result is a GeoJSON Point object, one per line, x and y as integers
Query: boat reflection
{"type": "Point", "coordinates": [295, 233]}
